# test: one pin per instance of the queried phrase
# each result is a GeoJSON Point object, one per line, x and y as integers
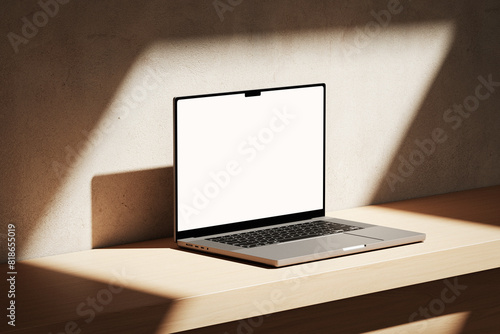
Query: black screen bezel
{"type": "Point", "coordinates": [262, 222]}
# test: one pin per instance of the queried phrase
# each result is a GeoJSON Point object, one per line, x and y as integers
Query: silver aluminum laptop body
{"type": "Point", "coordinates": [255, 160]}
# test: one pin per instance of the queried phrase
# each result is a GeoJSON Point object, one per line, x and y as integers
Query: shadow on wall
{"type": "Point", "coordinates": [65, 64]}
{"type": "Point", "coordinates": [452, 143]}
{"type": "Point", "coordinates": [132, 206]}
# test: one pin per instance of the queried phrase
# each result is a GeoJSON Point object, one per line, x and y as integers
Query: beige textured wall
{"type": "Point", "coordinates": [87, 88]}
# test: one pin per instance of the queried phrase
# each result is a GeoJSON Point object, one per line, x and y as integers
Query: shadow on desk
{"type": "Point", "coordinates": [171, 244]}
{"type": "Point", "coordinates": [63, 303]}
{"type": "Point", "coordinates": [463, 205]}
{"type": "Point", "coordinates": [58, 302]}
{"type": "Point", "coordinates": [464, 304]}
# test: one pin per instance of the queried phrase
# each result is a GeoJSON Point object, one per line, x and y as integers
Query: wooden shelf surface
{"type": "Point", "coordinates": [156, 285]}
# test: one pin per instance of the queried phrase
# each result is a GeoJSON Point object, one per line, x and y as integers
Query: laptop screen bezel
{"type": "Point", "coordinates": [255, 223]}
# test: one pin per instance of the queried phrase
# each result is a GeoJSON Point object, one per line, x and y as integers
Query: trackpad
{"type": "Point", "coordinates": [337, 242]}
{"type": "Point", "coordinates": [344, 242]}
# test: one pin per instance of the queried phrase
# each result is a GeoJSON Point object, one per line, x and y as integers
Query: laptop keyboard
{"type": "Point", "coordinates": [275, 235]}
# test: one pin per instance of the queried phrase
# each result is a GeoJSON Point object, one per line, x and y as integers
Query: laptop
{"type": "Point", "coordinates": [250, 179]}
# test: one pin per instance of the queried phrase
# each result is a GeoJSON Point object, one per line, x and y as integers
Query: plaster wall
{"type": "Point", "coordinates": [87, 88]}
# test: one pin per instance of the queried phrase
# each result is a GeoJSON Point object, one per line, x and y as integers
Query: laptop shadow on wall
{"type": "Point", "coordinates": [132, 206]}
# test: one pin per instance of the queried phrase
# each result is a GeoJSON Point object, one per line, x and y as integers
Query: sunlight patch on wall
{"type": "Point", "coordinates": [374, 99]}
{"type": "Point", "coordinates": [373, 94]}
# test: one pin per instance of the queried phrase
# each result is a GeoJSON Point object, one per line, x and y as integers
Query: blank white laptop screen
{"type": "Point", "coordinates": [241, 157]}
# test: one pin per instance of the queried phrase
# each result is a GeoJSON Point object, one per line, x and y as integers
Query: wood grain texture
{"type": "Point", "coordinates": [157, 285]}
{"type": "Point", "coordinates": [431, 307]}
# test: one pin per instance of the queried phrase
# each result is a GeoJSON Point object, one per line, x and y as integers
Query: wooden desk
{"type": "Point", "coordinates": [154, 287]}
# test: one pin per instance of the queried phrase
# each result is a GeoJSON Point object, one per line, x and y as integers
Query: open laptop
{"type": "Point", "coordinates": [250, 179]}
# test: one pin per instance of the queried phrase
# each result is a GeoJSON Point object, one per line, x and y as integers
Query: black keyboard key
{"type": "Point", "coordinates": [284, 233]}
